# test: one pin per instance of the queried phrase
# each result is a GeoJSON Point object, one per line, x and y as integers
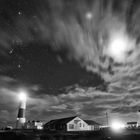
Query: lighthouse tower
{"type": "Point", "coordinates": [21, 111]}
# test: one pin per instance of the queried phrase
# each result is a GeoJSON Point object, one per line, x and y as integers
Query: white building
{"type": "Point", "coordinates": [34, 125]}
{"type": "Point", "coordinates": [72, 124]}
{"type": "Point", "coordinates": [77, 124]}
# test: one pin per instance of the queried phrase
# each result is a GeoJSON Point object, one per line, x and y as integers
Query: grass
{"type": "Point", "coordinates": [56, 135]}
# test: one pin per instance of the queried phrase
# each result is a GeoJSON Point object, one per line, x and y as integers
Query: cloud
{"type": "Point", "coordinates": [9, 102]}
{"type": "Point", "coordinates": [84, 32]}
{"type": "Point", "coordinates": [88, 103]}
{"type": "Point", "coordinates": [65, 25]}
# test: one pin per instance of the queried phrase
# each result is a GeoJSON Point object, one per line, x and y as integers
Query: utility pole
{"type": "Point", "coordinates": [107, 119]}
{"type": "Point", "coordinates": [138, 112]}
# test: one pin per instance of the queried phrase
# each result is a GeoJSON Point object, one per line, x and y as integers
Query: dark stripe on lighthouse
{"type": "Point", "coordinates": [21, 113]}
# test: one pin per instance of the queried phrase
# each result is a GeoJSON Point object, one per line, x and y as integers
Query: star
{"type": "Point", "coordinates": [89, 15]}
{"type": "Point", "coordinates": [19, 13]}
{"type": "Point", "coordinates": [19, 66]}
{"type": "Point", "coordinates": [11, 51]}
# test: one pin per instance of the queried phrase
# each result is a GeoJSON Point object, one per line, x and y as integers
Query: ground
{"type": "Point", "coordinates": [99, 135]}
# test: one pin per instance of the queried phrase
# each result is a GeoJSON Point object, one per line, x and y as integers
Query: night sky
{"type": "Point", "coordinates": [71, 57]}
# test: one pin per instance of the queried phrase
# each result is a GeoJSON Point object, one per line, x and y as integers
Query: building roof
{"type": "Point", "coordinates": [131, 122]}
{"type": "Point", "coordinates": [61, 121]}
{"type": "Point", "coordinates": [90, 122]}
{"type": "Point", "coordinates": [68, 119]}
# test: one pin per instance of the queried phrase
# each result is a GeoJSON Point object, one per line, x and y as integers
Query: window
{"type": "Point", "coordinates": [80, 124]}
{"type": "Point", "coordinates": [71, 126]}
{"type": "Point", "coordinates": [76, 121]}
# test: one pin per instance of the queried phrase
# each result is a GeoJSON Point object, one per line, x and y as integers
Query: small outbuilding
{"type": "Point", "coordinates": [132, 125]}
{"type": "Point", "coordinates": [33, 125]}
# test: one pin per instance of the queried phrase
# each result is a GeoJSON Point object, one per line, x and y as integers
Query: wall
{"type": "Point", "coordinates": [77, 124]}
{"type": "Point", "coordinates": [91, 127]}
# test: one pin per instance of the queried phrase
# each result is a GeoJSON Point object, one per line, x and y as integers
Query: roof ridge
{"type": "Point", "coordinates": [64, 118]}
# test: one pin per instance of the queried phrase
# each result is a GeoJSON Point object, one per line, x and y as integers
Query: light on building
{"type": "Point", "coordinates": [21, 119]}
{"type": "Point", "coordinates": [22, 96]}
{"type": "Point", "coordinates": [117, 126]}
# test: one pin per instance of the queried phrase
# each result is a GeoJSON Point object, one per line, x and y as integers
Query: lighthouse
{"type": "Point", "coordinates": [21, 111]}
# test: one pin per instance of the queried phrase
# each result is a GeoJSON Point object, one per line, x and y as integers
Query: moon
{"type": "Point", "coordinates": [118, 46]}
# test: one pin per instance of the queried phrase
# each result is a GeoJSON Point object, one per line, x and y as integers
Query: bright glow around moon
{"type": "Point", "coordinates": [118, 46]}
{"type": "Point", "coordinates": [117, 126]}
{"type": "Point", "coordinates": [22, 96]}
